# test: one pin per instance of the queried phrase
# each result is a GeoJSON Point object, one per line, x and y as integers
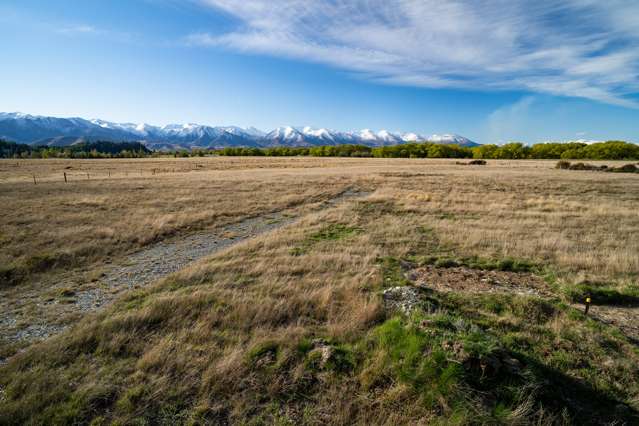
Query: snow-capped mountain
{"type": "Point", "coordinates": [286, 136]}
{"type": "Point", "coordinates": [450, 139]}
{"type": "Point", "coordinates": [38, 130]}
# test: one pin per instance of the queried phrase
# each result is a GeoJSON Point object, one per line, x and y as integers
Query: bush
{"type": "Point", "coordinates": [628, 168]}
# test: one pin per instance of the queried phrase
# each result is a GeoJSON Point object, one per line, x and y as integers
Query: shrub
{"type": "Point", "coordinates": [627, 168]}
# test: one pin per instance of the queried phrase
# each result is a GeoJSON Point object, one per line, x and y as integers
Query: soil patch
{"type": "Point", "coordinates": [469, 280]}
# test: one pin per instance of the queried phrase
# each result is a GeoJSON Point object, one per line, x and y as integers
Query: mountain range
{"type": "Point", "coordinates": [53, 131]}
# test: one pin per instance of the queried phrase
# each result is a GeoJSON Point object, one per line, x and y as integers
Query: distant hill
{"type": "Point", "coordinates": [51, 131]}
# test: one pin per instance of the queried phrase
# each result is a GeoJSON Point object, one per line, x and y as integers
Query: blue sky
{"type": "Point", "coordinates": [493, 71]}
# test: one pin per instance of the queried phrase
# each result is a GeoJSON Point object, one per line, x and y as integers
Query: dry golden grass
{"type": "Point", "coordinates": [84, 221]}
{"type": "Point", "coordinates": [522, 209]}
{"type": "Point", "coordinates": [222, 340]}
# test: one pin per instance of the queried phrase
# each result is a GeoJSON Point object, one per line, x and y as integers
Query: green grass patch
{"type": "Point", "coordinates": [19, 271]}
{"type": "Point", "coordinates": [504, 264]}
{"type": "Point", "coordinates": [603, 294]}
{"type": "Point", "coordinates": [393, 272]}
{"type": "Point", "coordinates": [263, 351]}
{"type": "Point", "coordinates": [332, 232]}
{"type": "Point", "coordinates": [501, 348]}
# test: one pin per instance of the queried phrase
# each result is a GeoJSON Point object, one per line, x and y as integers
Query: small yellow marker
{"type": "Point", "coordinates": [588, 300]}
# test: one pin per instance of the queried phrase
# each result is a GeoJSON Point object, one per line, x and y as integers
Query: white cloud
{"type": "Point", "coordinates": [582, 48]}
{"type": "Point", "coordinates": [86, 30]}
{"type": "Point", "coordinates": [510, 120]}
{"type": "Point", "coordinates": [79, 29]}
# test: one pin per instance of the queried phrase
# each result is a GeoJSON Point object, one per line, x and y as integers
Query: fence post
{"type": "Point", "coordinates": [65, 177]}
{"type": "Point", "coordinates": [588, 301]}
{"type": "Point", "coordinates": [34, 180]}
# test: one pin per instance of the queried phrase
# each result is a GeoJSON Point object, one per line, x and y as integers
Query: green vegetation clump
{"type": "Point", "coordinates": [14, 273]}
{"type": "Point", "coordinates": [509, 264]}
{"type": "Point", "coordinates": [498, 357]}
{"type": "Point", "coordinates": [392, 272]}
{"type": "Point", "coordinates": [604, 294]}
{"type": "Point", "coordinates": [611, 150]}
{"type": "Point", "coordinates": [423, 150]}
{"type": "Point", "coordinates": [346, 150]}
{"type": "Point", "coordinates": [99, 149]}
{"type": "Point", "coordinates": [332, 232]}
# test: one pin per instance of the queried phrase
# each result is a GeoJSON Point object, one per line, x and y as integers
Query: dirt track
{"type": "Point", "coordinates": [141, 268]}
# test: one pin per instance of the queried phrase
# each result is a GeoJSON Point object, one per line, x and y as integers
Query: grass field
{"type": "Point", "coordinates": [291, 326]}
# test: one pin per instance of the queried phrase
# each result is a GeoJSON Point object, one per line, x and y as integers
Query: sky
{"type": "Point", "coordinates": [493, 71]}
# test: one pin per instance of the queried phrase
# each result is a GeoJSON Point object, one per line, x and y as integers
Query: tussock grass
{"type": "Point", "coordinates": [240, 337]}
{"type": "Point", "coordinates": [55, 225]}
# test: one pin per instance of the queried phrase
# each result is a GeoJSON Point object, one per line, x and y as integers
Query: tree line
{"type": "Point", "coordinates": [611, 150]}
{"type": "Point", "coordinates": [99, 149]}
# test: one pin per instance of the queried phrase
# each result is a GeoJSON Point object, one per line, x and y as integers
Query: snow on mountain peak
{"type": "Point", "coordinates": [411, 137]}
{"type": "Point", "coordinates": [27, 128]}
{"type": "Point", "coordinates": [16, 115]}
{"type": "Point", "coordinates": [367, 135]}
{"type": "Point", "coordinates": [448, 138]}
{"type": "Point", "coordinates": [318, 133]}
{"type": "Point", "coordinates": [289, 131]}
{"type": "Point", "coordinates": [386, 136]}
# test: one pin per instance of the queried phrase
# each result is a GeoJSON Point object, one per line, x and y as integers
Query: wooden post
{"type": "Point", "coordinates": [588, 301]}
{"type": "Point", "coordinates": [65, 177]}
{"type": "Point", "coordinates": [34, 180]}
{"type": "Point", "coordinates": [87, 176]}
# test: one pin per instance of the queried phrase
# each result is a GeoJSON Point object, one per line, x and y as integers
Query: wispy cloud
{"type": "Point", "coordinates": [510, 120]}
{"type": "Point", "coordinates": [87, 30]}
{"type": "Point", "coordinates": [79, 29]}
{"type": "Point", "coordinates": [582, 48]}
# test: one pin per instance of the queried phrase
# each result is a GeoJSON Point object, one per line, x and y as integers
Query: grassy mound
{"type": "Point", "coordinates": [264, 334]}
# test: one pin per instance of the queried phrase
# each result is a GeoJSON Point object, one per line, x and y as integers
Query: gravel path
{"type": "Point", "coordinates": [170, 256]}
{"type": "Point", "coordinates": [148, 265]}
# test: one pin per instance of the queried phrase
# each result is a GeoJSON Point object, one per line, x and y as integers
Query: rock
{"type": "Point", "coordinates": [511, 365]}
{"type": "Point", "coordinates": [404, 299]}
{"type": "Point", "coordinates": [411, 276]}
{"type": "Point", "coordinates": [492, 364]}
{"type": "Point", "coordinates": [324, 350]}
{"type": "Point", "coordinates": [406, 265]}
